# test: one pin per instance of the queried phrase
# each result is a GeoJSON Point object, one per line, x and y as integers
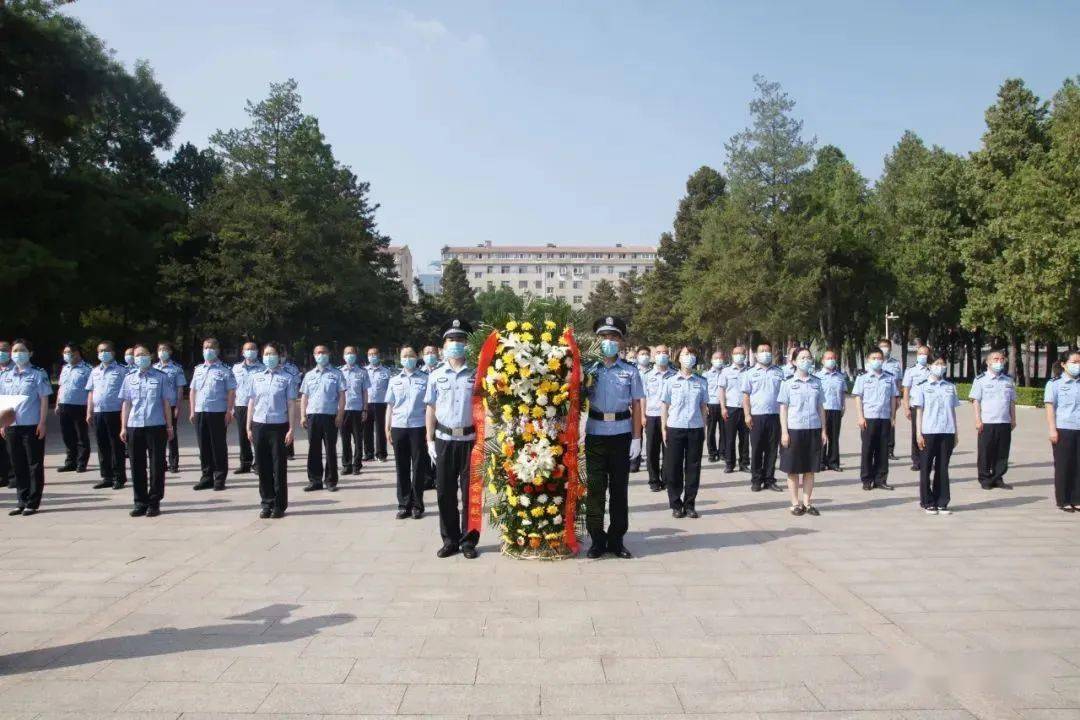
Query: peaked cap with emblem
{"type": "Point", "coordinates": [457, 328]}
{"type": "Point", "coordinates": [610, 323]}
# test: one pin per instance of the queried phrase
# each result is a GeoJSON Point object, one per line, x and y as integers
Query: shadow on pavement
{"type": "Point", "coordinates": [660, 541]}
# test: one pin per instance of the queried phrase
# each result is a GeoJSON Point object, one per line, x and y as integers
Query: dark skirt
{"type": "Point", "coordinates": [803, 453]}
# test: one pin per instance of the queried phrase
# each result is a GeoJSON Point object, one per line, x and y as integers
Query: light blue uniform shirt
{"type": "Point", "coordinates": [612, 390]}
{"type": "Point", "coordinates": [684, 397]}
{"type": "Point", "coordinates": [996, 394]}
{"type": "Point", "coordinates": [356, 386]}
{"type": "Point", "coordinates": [877, 392]}
{"type": "Point", "coordinates": [762, 384]}
{"type": "Point", "coordinates": [212, 383]}
{"type": "Point", "coordinates": [712, 376]}
{"type": "Point", "coordinates": [378, 382]}
{"type": "Point", "coordinates": [105, 383]}
{"type": "Point", "coordinates": [892, 366]}
{"type": "Point", "coordinates": [405, 394]}
{"type": "Point", "coordinates": [805, 400]}
{"type": "Point", "coordinates": [937, 398]}
{"type": "Point", "coordinates": [271, 392]}
{"type": "Point", "coordinates": [731, 381]}
{"type": "Point", "coordinates": [789, 371]}
{"type": "Point", "coordinates": [73, 381]}
{"type": "Point", "coordinates": [177, 380]}
{"type": "Point", "coordinates": [244, 372]}
{"type": "Point", "coordinates": [31, 382]}
{"type": "Point", "coordinates": [913, 376]}
{"type": "Point", "coordinates": [1064, 394]}
{"type": "Point", "coordinates": [294, 374]}
{"type": "Point", "coordinates": [145, 391]}
{"type": "Point", "coordinates": [654, 389]}
{"type": "Point", "coordinates": [834, 383]}
{"type": "Point", "coordinates": [323, 387]}
{"type": "Point", "coordinates": [450, 391]}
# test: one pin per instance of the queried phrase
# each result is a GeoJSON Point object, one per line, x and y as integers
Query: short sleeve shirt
{"type": "Point", "coordinates": [937, 398]}
{"type": "Point", "coordinates": [731, 381]}
{"type": "Point", "coordinates": [323, 387]}
{"type": "Point", "coordinates": [272, 391]}
{"type": "Point", "coordinates": [712, 375]}
{"type": "Point", "coordinates": [244, 372]}
{"type": "Point", "coordinates": [30, 382]}
{"type": "Point", "coordinates": [450, 391]}
{"type": "Point", "coordinates": [105, 383]}
{"type": "Point", "coordinates": [1064, 394]}
{"type": "Point", "coordinates": [762, 384]}
{"type": "Point", "coordinates": [611, 390]}
{"type": "Point", "coordinates": [405, 396]}
{"type": "Point", "coordinates": [684, 397]}
{"type": "Point", "coordinates": [176, 378]}
{"type": "Point", "coordinates": [145, 391]}
{"type": "Point", "coordinates": [378, 381]}
{"type": "Point", "coordinates": [356, 386]}
{"type": "Point", "coordinates": [654, 388]}
{"type": "Point", "coordinates": [913, 376]}
{"type": "Point", "coordinates": [73, 382]}
{"type": "Point", "coordinates": [804, 399]}
{"type": "Point", "coordinates": [834, 383]}
{"type": "Point", "coordinates": [877, 392]}
{"type": "Point", "coordinates": [212, 383]}
{"type": "Point", "coordinates": [996, 395]}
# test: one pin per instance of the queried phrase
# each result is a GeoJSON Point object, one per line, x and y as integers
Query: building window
{"type": "Point", "coordinates": [577, 285]}
{"type": "Point", "coordinates": [504, 269]}
{"type": "Point", "coordinates": [577, 299]}
{"type": "Point", "coordinates": [611, 269]}
{"type": "Point", "coordinates": [550, 290]}
{"type": "Point", "coordinates": [595, 269]}
{"type": "Point", "coordinates": [539, 269]}
{"type": "Point", "coordinates": [504, 283]}
{"type": "Point", "coordinates": [490, 269]}
{"type": "Point", "coordinates": [622, 274]}
{"type": "Point", "coordinates": [523, 284]}
{"type": "Point", "coordinates": [537, 284]}
{"type": "Point", "coordinates": [522, 269]}
{"type": "Point", "coordinates": [562, 286]}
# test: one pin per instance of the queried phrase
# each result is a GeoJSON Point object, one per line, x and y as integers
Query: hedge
{"type": "Point", "coordinates": [1030, 396]}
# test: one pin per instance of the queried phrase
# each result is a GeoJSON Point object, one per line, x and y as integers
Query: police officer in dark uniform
{"type": "Point", "coordinates": [612, 437]}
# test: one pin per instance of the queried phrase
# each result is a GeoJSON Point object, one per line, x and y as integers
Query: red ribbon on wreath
{"type": "Point", "coordinates": [479, 416]}
{"type": "Point", "coordinates": [570, 444]}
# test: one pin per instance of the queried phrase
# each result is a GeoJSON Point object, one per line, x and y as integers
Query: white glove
{"type": "Point", "coordinates": [635, 448]}
{"type": "Point", "coordinates": [431, 450]}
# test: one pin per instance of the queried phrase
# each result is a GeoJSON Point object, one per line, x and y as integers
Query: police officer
{"type": "Point", "coordinates": [653, 382]}
{"type": "Point", "coordinates": [892, 366]}
{"type": "Point", "coordinates": [103, 405]}
{"type": "Point", "coordinates": [7, 475]}
{"type": "Point", "coordinates": [789, 366]}
{"type": "Point", "coordinates": [71, 409]}
{"type": "Point", "coordinates": [430, 356]}
{"type": "Point", "coordinates": [714, 430]}
{"type": "Point", "coordinates": [935, 401]}
{"type": "Point", "coordinates": [146, 426]}
{"type": "Point", "coordinates": [993, 396]}
{"type": "Point", "coordinates": [612, 437]}
{"type": "Point", "coordinates": [685, 400]}
{"type": "Point", "coordinates": [1062, 400]}
{"type": "Point", "coordinates": [271, 425]}
{"type": "Point", "coordinates": [644, 364]}
{"type": "Point", "coordinates": [875, 405]}
{"type": "Point", "coordinates": [405, 430]}
{"type": "Point", "coordinates": [802, 431]}
{"type": "Point", "coordinates": [322, 410]}
{"type": "Point", "coordinates": [26, 435]}
{"type": "Point", "coordinates": [175, 371]}
{"type": "Point", "coordinates": [378, 382]}
{"type": "Point", "coordinates": [913, 376]}
{"type": "Point", "coordinates": [760, 389]}
{"type": "Point", "coordinates": [834, 383]}
{"type": "Point", "coordinates": [129, 359]}
{"type": "Point", "coordinates": [451, 433]}
{"type": "Point", "coordinates": [736, 435]}
{"type": "Point", "coordinates": [357, 385]}
{"type": "Point", "coordinates": [244, 371]}
{"type": "Point", "coordinates": [296, 376]}
{"type": "Point", "coordinates": [213, 396]}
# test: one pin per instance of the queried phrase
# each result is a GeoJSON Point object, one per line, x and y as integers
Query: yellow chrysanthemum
{"type": "Point", "coordinates": [537, 511]}
{"type": "Point", "coordinates": [526, 337]}
{"type": "Point", "coordinates": [526, 325]}
{"type": "Point", "coordinates": [545, 337]}
{"type": "Point", "coordinates": [553, 510]}
{"type": "Point", "coordinates": [511, 326]}
{"type": "Point", "coordinates": [523, 409]}
{"type": "Point", "coordinates": [556, 450]}
{"type": "Point", "coordinates": [511, 369]}
{"type": "Point", "coordinates": [492, 489]}
{"type": "Point", "coordinates": [549, 325]}
{"type": "Point", "coordinates": [526, 371]}
{"type": "Point", "coordinates": [538, 412]}
{"type": "Point", "coordinates": [553, 364]}
{"type": "Point", "coordinates": [522, 514]}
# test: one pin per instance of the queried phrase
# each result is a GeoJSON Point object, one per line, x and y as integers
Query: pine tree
{"type": "Point", "coordinates": [457, 299]}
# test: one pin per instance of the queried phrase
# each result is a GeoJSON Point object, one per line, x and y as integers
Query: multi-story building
{"type": "Point", "coordinates": [403, 265]}
{"type": "Point", "coordinates": [569, 272]}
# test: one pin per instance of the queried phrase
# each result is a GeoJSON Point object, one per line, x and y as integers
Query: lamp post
{"type": "Point", "coordinates": [890, 316]}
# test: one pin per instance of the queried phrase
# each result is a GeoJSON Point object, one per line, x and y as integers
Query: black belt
{"type": "Point", "coordinates": [609, 417]}
{"type": "Point", "coordinates": [455, 432]}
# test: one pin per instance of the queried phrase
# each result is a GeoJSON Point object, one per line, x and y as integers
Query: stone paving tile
{"type": "Point", "coordinates": [746, 697]}
{"type": "Point", "coordinates": [333, 699]}
{"type": "Point", "coordinates": [577, 700]}
{"type": "Point", "coordinates": [471, 699]}
{"type": "Point", "coordinates": [456, 671]}
{"type": "Point", "coordinates": [198, 696]}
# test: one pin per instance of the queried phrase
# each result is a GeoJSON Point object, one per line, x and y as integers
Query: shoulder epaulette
{"type": "Point", "coordinates": [980, 375]}
{"type": "Point", "coordinates": [922, 382]}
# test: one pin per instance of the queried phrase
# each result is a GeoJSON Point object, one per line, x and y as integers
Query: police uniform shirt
{"type": "Point", "coordinates": [805, 400]}
{"type": "Point", "coordinates": [762, 384]}
{"type": "Point", "coordinates": [378, 382]}
{"type": "Point", "coordinates": [272, 390]}
{"type": "Point", "coordinates": [175, 371]}
{"type": "Point", "coordinates": [322, 386]}
{"type": "Point", "coordinates": [73, 382]}
{"type": "Point", "coordinates": [145, 391]}
{"type": "Point", "coordinates": [996, 394]}
{"type": "Point", "coordinates": [405, 395]}
{"type": "Point", "coordinates": [731, 381]}
{"type": "Point", "coordinates": [712, 375]}
{"type": "Point", "coordinates": [105, 382]}
{"type": "Point", "coordinates": [789, 371]}
{"type": "Point", "coordinates": [834, 384]}
{"type": "Point", "coordinates": [877, 391]}
{"type": "Point", "coordinates": [244, 374]}
{"type": "Point", "coordinates": [356, 386]}
{"type": "Point", "coordinates": [31, 382]}
{"type": "Point", "coordinates": [654, 388]}
{"type": "Point", "coordinates": [612, 390]}
{"type": "Point", "coordinates": [684, 397]}
{"type": "Point", "coordinates": [913, 376]}
{"type": "Point", "coordinates": [1064, 394]}
{"type": "Point", "coordinates": [937, 398]}
{"type": "Point", "coordinates": [450, 391]}
{"type": "Point", "coordinates": [294, 374]}
{"type": "Point", "coordinates": [892, 366]}
{"type": "Point", "coordinates": [212, 383]}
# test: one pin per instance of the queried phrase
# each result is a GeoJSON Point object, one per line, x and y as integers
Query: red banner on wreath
{"type": "Point", "coordinates": [570, 445]}
{"type": "Point", "coordinates": [479, 416]}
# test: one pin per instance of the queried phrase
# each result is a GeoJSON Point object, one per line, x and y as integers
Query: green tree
{"type": "Point", "coordinates": [456, 297]}
{"type": "Point", "coordinates": [498, 305]}
{"type": "Point", "coordinates": [602, 300]}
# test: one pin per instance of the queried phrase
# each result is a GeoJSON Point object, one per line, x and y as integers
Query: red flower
{"type": "Point", "coordinates": [558, 471]}
{"type": "Point", "coordinates": [552, 487]}
{"type": "Point", "coordinates": [528, 489]}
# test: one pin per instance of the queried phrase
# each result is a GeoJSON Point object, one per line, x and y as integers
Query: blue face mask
{"type": "Point", "coordinates": [688, 361]}
{"type": "Point", "coordinates": [350, 358]}
{"type": "Point", "coordinates": [271, 361]}
{"type": "Point", "coordinates": [805, 365]}
{"type": "Point", "coordinates": [717, 363]}
{"type": "Point", "coordinates": [643, 360]}
{"type": "Point", "coordinates": [997, 367]}
{"type": "Point", "coordinates": [209, 354]}
{"type": "Point", "coordinates": [164, 355]}
{"type": "Point", "coordinates": [738, 358]}
{"type": "Point", "coordinates": [143, 361]}
{"type": "Point", "coordinates": [373, 359]}
{"type": "Point", "coordinates": [322, 359]}
{"type": "Point", "coordinates": [876, 364]}
{"type": "Point", "coordinates": [431, 360]}
{"type": "Point", "coordinates": [609, 348]}
{"type": "Point", "coordinates": [105, 356]}
{"type": "Point", "coordinates": [922, 359]}
{"type": "Point", "coordinates": [5, 356]}
{"type": "Point", "coordinates": [408, 363]}
{"type": "Point", "coordinates": [455, 350]}
{"type": "Point", "coordinates": [829, 364]}
{"type": "Point", "coordinates": [68, 357]}
{"type": "Point", "coordinates": [937, 370]}
{"type": "Point", "coordinates": [662, 359]}
{"type": "Point", "coordinates": [251, 355]}
{"type": "Point", "coordinates": [21, 357]}
{"type": "Point", "coordinates": [765, 358]}
{"type": "Point", "coordinates": [129, 359]}
{"type": "Point", "coordinates": [1073, 369]}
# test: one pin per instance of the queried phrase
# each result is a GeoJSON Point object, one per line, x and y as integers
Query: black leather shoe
{"type": "Point", "coordinates": [66, 468]}
{"type": "Point", "coordinates": [884, 485]}
{"type": "Point", "coordinates": [754, 487]}
{"type": "Point", "coordinates": [744, 468]}
{"type": "Point", "coordinates": [312, 486]}
{"type": "Point", "coordinates": [277, 514]}
{"type": "Point", "coordinates": [118, 485]}
{"type": "Point", "coordinates": [678, 513]}
{"type": "Point", "coordinates": [468, 552]}
{"type": "Point", "coordinates": [29, 511]}
{"type": "Point", "coordinates": [446, 551]}
{"type": "Point", "coordinates": [80, 470]}
{"type": "Point", "coordinates": [1004, 486]}
{"type": "Point", "coordinates": [892, 456]}
{"type": "Point", "coordinates": [346, 471]}
{"type": "Point", "coordinates": [811, 510]}
{"type": "Point", "coordinates": [728, 471]}
{"type": "Point", "coordinates": [654, 488]}
{"type": "Point", "coordinates": [597, 551]}
{"type": "Point", "coordinates": [17, 511]}
{"type": "Point", "coordinates": [692, 513]}
{"type": "Point", "coordinates": [138, 512]}
{"type": "Point", "coordinates": [264, 513]}
{"type": "Point", "coordinates": [153, 511]}
{"type": "Point", "coordinates": [174, 469]}
{"type": "Point", "coordinates": [241, 470]}
{"type": "Point", "coordinates": [103, 484]}
{"type": "Point", "coordinates": [621, 552]}
{"type": "Point", "coordinates": [402, 514]}
{"type": "Point", "coordinates": [914, 467]}
{"type": "Point", "coordinates": [867, 486]}
{"type": "Point", "coordinates": [332, 487]}
{"type": "Point", "coordinates": [417, 513]}
{"type": "Point", "coordinates": [775, 488]}
{"type": "Point", "coordinates": [203, 485]}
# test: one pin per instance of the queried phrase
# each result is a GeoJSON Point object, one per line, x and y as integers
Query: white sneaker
{"type": "Point", "coordinates": [943, 511]}
{"type": "Point", "coordinates": [931, 511]}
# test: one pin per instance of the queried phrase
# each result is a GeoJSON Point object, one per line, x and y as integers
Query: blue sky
{"type": "Point", "coordinates": [579, 122]}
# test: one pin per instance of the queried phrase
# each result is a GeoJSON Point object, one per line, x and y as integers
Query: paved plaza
{"type": "Point", "coordinates": [873, 610]}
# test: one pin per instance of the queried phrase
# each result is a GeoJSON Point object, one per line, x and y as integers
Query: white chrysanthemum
{"type": "Point", "coordinates": [542, 498]}
{"type": "Point", "coordinates": [499, 364]}
{"type": "Point", "coordinates": [543, 524]}
{"type": "Point", "coordinates": [556, 520]}
{"type": "Point", "coordinates": [550, 412]}
{"type": "Point", "coordinates": [524, 501]}
{"type": "Point", "coordinates": [526, 521]}
{"type": "Point", "coordinates": [541, 400]}
{"type": "Point", "coordinates": [558, 499]}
